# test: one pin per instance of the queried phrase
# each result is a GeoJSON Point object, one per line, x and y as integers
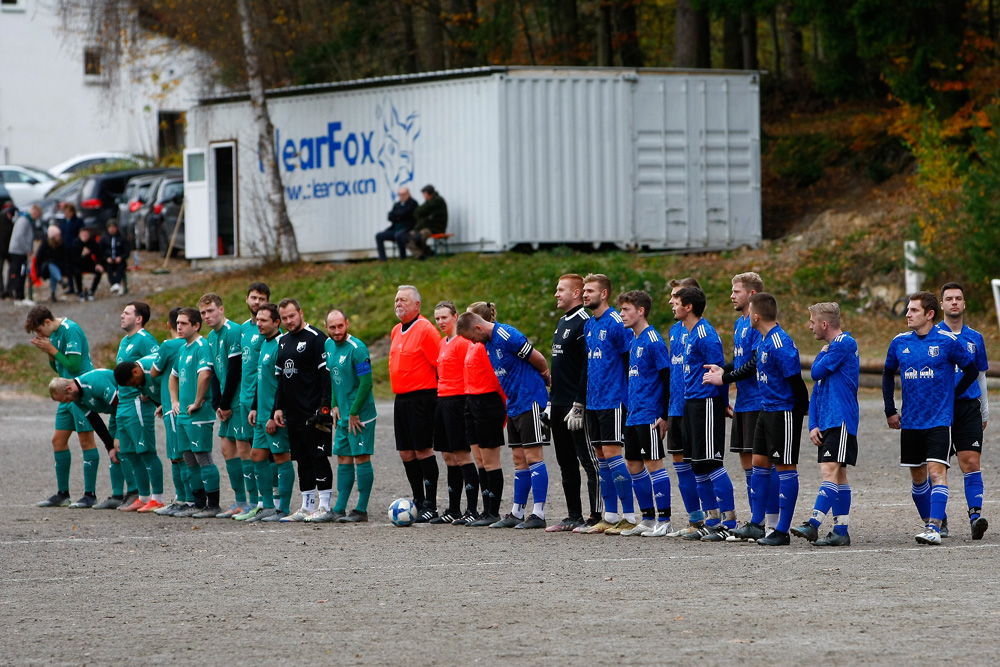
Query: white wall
{"type": "Point", "coordinates": [50, 111]}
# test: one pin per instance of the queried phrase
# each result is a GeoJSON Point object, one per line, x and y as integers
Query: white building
{"type": "Point", "coordinates": [57, 101]}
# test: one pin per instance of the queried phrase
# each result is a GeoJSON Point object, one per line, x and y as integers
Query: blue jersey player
{"type": "Point", "coordinates": [648, 406]}
{"type": "Point", "coordinates": [607, 342]}
{"type": "Point", "coordinates": [523, 374]}
{"type": "Point", "coordinates": [926, 359]}
{"type": "Point", "coordinates": [704, 421]}
{"type": "Point", "coordinates": [833, 424]}
{"type": "Point", "coordinates": [972, 408]}
{"type": "Point", "coordinates": [745, 341]}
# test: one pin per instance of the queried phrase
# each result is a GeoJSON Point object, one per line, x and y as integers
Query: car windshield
{"type": "Point", "coordinates": [39, 174]}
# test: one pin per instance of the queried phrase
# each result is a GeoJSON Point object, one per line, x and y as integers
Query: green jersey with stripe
{"type": "Point", "coordinates": [166, 357]}
{"type": "Point", "coordinates": [267, 378]}
{"type": "Point", "coordinates": [69, 339]}
{"type": "Point", "coordinates": [193, 360]}
{"type": "Point", "coordinates": [250, 341]}
{"type": "Point", "coordinates": [347, 362]}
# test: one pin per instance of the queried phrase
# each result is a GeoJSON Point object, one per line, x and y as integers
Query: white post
{"type": "Point", "coordinates": [996, 297]}
{"type": "Point", "coordinates": [914, 278]}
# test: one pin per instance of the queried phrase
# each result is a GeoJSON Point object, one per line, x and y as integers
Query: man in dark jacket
{"type": "Point", "coordinates": [115, 251]}
{"type": "Point", "coordinates": [7, 215]}
{"type": "Point", "coordinates": [401, 217]}
{"type": "Point", "coordinates": [431, 218]}
{"type": "Point", "coordinates": [88, 256]}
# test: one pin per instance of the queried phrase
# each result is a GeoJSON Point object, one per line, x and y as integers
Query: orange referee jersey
{"type": "Point", "coordinates": [413, 356]}
{"type": "Point", "coordinates": [479, 375]}
{"type": "Point", "coordinates": [451, 366]}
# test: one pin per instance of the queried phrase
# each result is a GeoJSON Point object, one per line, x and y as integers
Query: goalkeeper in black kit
{"type": "Point", "coordinates": [302, 405]}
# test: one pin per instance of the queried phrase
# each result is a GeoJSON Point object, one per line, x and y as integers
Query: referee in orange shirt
{"type": "Point", "coordinates": [413, 357]}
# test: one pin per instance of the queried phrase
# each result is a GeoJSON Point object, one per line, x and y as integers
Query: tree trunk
{"type": "Point", "coordinates": [526, 30]}
{"type": "Point", "coordinates": [287, 249]}
{"type": "Point", "coordinates": [405, 13]}
{"type": "Point", "coordinates": [791, 36]}
{"type": "Point", "coordinates": [775, 34]}
{"type": "Point", "coordinates": [692, 44]}
{"type": "Point", "coordinates": [566, 31]}
{"type": "Point", "coordinates": [748, 28]}
{"type": "Point", "coordinates": [732, 41]}
{"type": "Point", "coordinates": [604, 33]}
{"type": "Point", "coordinates": [628, 34]}
{"type": "Point", "coordinates": [433, 48]}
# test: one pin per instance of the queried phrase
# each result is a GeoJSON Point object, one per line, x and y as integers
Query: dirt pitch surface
{"type": "Point", "coordinates": [108, 588]}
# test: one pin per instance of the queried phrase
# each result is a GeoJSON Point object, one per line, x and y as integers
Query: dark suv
{"type": "Point", "coordinates": [100, 193]}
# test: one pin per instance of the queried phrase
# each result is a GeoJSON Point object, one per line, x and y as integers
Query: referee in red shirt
{"type": "Point", "coordinates": [413, 357]}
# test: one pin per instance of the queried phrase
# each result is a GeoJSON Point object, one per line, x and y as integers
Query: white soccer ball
{"type": "Point", "coordinates": [402, 512]}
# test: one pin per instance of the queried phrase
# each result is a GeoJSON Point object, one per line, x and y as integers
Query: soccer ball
{"type": "Point", "coordinates": [402, 512]}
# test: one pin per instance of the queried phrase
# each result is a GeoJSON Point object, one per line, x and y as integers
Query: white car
{"type": "Point", "coordinates": [26, 184]}
{"type": "Point", "coordinates": [66, 169]}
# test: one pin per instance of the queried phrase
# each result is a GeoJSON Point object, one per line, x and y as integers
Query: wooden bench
{"type": "Point", "coordinates": [441, 243]}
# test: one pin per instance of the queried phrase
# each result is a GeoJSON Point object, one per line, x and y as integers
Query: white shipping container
{"type": "Point", "coordinates": [653, 159]}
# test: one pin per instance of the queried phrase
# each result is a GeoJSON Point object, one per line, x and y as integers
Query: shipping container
{"type": "Point", "coordinates": [638, 158]}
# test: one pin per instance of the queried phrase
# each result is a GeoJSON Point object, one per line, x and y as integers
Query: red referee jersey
{"type": "Point", "coordinates": [479, 375]}
{"type": "Point", "coordinates": [413, 356]}
{"type": "Point", "coordinates": [451, 366]}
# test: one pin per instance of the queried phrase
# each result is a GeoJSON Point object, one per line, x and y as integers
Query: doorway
{"type": "Point", "coordinates": [224, 198]}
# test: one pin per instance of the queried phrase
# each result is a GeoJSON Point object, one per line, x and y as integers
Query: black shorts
{"type": "Point", "coordinates": [777, 437]}
{"type": "Point", "coordinates": [839, 446]}
{"type": "Point", "coordinates": [705, 428]}
{"type": "Point", "coordinates": [918, 446]}
{"type": "Point", "coordinates": [741, 434]}
{"type": "Point", "coordinates": [967, 426]}
{"type": "Point", "coordinates": [526, 429]}
{"type": "Point", "coordinates": [605, 426]}
{"type": "Point", "coordinates": [675, 435]}
{"type": "Point", "coordinates": [449, 425]}
{"type": "Point", "coordinates": [413, 420]}
{"type": "Point", "coordinates": [485, 415]}
{"type": "Point", "coordinates": [302, 439]}
{"type": "Point", "coordinates": [642, 443]}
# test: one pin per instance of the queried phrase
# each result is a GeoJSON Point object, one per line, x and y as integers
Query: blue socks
{"type": "Point", "coordinates": [623, 483]}
{"type": "Point", "coordinates": [842, 509]}
{"type": "Point", "coordinates": [706, 491]}
{"type": "Point", "coordinates": [749, 475]}
{"type": "Point", "coordinates": [608, 493]}
{"type": "Point", "coordinates": [922, 498]}
{"type": "Point", "coordinates": [825, 499]}
{"type": "Point", "coordinates": [522, 485]}
{"type": "Point", "coordinates": [939, 501]}
{"type": "Point", "coordinates": [539, 482]}
{"type": "Point", "coordinates": [724, 494]}
{"type": "Point", "coordinates": [642, 484]}
{"type": "Point", "coordinates": [661, 491]}
{"type": "Point", "coordinates": [973, 492]}
{"type": "Point", "coordinates": [688, 487]}
{"type": "Point", "coordinates": [788, 494]}
{"type": "Point", "coordinates": [760, 489]}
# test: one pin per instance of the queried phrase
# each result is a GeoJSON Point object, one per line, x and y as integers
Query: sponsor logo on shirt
{"type": "Point", "coordinates": [738, 350]}
{"type": "Point", "coordinates": [595, 354]}
{"type": "Point", "coordinates": [762, 377]}
{"type": "Point", "coordinates": [677, 359]}
{"type": "Point", "coordinates": [926, 373]}
{"type": "Point", "coordinates": [290, 369]}
{"type": "Point", "coordinates": [633, 371]}
{"type": "Point", "coordinates": [910, 374]}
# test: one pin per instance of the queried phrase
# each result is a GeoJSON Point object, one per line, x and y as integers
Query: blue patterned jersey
{"type": "Point", "coordinates": [745, 341]}
{"type": "Point", "coordinates": [678, 338]}
{"type": "Point", "coordinates": [509, 352]}
{"type": "Point", "coordinates": [777, 360]}
{"type": "Point", "coordinates": [647, 357]}
{"type": "Point", "coordinates": [927, 369]}
{"type": "Point", "coordinates": [607, 342]}
{"type": "Point", "coordinates": [703, 347]}
{"type": "Point", "coordinates": [974, 343]}
{"type": "Point", "coordinates": [835, 394]}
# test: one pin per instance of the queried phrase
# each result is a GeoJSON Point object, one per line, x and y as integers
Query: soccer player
{"type": "Point", "coordinates": [704, 421]}
{"type": "Point", "coordinates": [225, 346]}
{"type": "Point", "coordinates": [250, 341]}
{"type": "Point", "coordinates": [166, 357]}
{"type": "Point", "coordinates": [648, 405]}
{"type": "Point", "coordinates": [93, 393]}
{"type": "Point", "coordinates": [190, 384]}
{"type": "Point", "coordinates": [137, 374]}
{"type": "Point", "coordinates": [607, 390]}
{"type": "Point", "coordinates": [413, 355]}
{"type": "Point", "coordinates": [833, 424]}
{"type": "Point", "coordinates": [523, 374]}
{"type": "Point", "coordinates": [66, 345]}
{"type": "Point", "coordinates": [302, 405]}
{"type": "Point", "coordinates": [569, 394]}
{"type": "Point", "coordinates": [686, 482]}
{"type": "Point", "coordinates": [972, 408]}
{"type": "Point", "coordinates": [928, 358]}
{"type": "Point", "coordinates": [784, 402]}
{"type": "Point", "coordinates": [136, 432]}
{"type": "Point", "coordinates": [268, 438]}
{"type": "Point", "coordinates": [450, 437]}
{"type": "Point", "coordinates": [745, 341]}
{"type": "Point", "coordinates": [353, 409]}
{"type": "Point", "coordinates": [485, 416]}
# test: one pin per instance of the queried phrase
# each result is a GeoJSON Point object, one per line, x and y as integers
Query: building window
{"type": "Point", "coordinates": [12, 5]}
{"type": "Point", "coordinates": [170, 135]}
{"type": "Point", "coordinates": [92, 62]}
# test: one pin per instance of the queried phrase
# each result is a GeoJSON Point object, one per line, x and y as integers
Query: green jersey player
{"type": "Point", "coordinates": [250, 342]}
{"type": "Point", "coordinates": [166, 357]}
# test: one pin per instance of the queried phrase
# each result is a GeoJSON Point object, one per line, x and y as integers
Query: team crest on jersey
{"type": "Point", "coordinates": [342, 358]}
{"type": "Point", "coordinates": [300, 347]}
{"type": "Point", "coordinates": [499, 354]}
{"type": "Point", "coordinates": [971, 347]}
{"type": "Point", "coordinates": [290, 369]}
{"type": "Point", "coordinates": [933, 350]}
{"type": "Point", "coordinates": [602, 335]}
{"type": "Point", "coordinates": [763, 357]}
{"type": "Point", "coordinates": [566, 333]}
{"type": "Point", "coordinates": [638, 351]}
{"type": "Point", "coordinates": [129, 347]}
{"type": "Point", "coordinates": [253, 339]}
{"type": "Point", "coordinates": [743, 333]}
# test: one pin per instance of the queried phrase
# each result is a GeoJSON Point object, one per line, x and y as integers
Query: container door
{"type": "Point", "coordinates": [222, 197]}
{"type": "Point", "coordinates": [198, 234]}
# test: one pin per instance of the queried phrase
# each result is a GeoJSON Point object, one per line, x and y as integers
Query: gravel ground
{"type": "Point", "coordinates": [90, 587]}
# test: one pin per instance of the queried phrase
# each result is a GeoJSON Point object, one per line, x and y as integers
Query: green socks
{"type": "Point", "coordinates": [286, 480]}
{"type": "Point", "coordinates": [91, 462]}
{"type": "Point", "coordinates": [250, 480]}
{"type": "Point", "coordinates": [179, 475]}
{"type": "Point", "coordinates": [234, 468]}
{"type": "Point", "coordinates": [210, 478]}
{"type": "Point", "coordinates": [139, 471]}
{"type": "Point", "coordinates": [63, 461]}
{"type": "Point", "coordinates": [366, 478]}
{"type": "Point", "coordinates": [154, 470]}
{"type": "Point", "coordinates": [128, 473]}
{"type": "Point", "coordinates": [263, 480]}
{"type": "Point", "coordinates": [345, 482]}
{"type": "Point", "coordinates": [195, 485]}
{"type": "Point", "coordinates": [117, 480]}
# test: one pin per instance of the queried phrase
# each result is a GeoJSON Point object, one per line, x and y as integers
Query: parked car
{"type": "Point", "coordinates": [101, 192]}
{"type": "Point", "coordinates": [26, 184]}
{"type": "Point", "coordinates": [67, 168]}
{"type": "Point", "coordinates": [163, 190]}
{"type": "Point", "coordinates": [133, 203]}
{"type": "Point", "coordinates": [165, 219]}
